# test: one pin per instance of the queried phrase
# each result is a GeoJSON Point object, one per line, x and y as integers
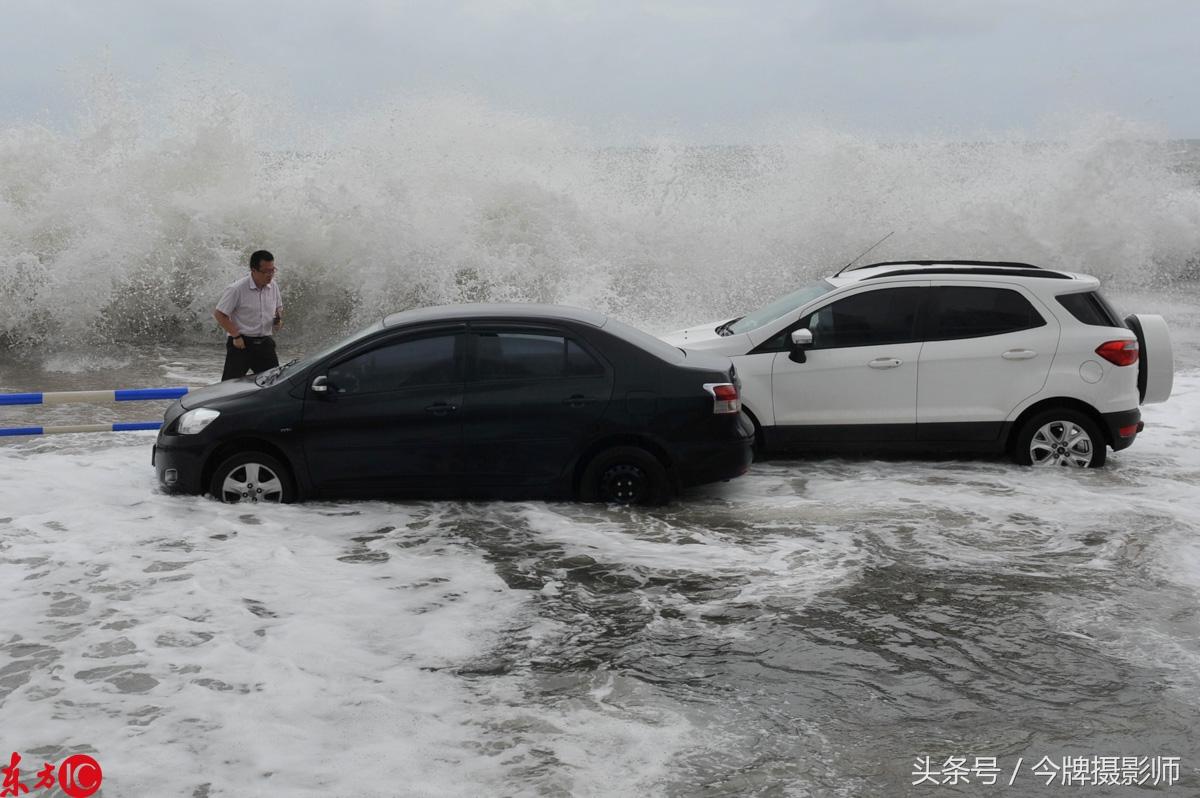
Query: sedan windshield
{"type": "Point", "coordinates": [302, 363]}
{"type": "Point", "coordinates": [780, 307]}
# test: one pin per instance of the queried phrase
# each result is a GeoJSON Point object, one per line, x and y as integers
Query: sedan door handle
{"type": "Point", "coordinates": [1019, 354]}
{"type": "Point", "coordinates": [441, 408]}
{"type": "Point", "coordinates": [885, 363]}
{"type": "Point", "coordinates": [578, 400]}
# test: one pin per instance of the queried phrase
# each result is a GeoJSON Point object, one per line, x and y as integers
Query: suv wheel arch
{"type": "Point", "coordinates": [1041, 406]}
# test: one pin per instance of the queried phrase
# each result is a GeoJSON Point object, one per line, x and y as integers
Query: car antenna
{"type": "Point", "coordinates": [865, 251]}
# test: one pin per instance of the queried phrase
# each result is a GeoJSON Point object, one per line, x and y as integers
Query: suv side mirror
{"type": "Point", "coordinates": [800, 339]}
{"type": "Point", "coordinates": [320, 384]}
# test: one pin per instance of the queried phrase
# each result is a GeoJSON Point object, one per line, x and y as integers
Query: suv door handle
{"type": "Point", "coordinates": [885, 362]}
{"type": "Point", "coordinates": [1019, 354]}
{"type": "Point", "coordinates": [441, 408]}
{"type": "Point", "coordinates": [578, 400]}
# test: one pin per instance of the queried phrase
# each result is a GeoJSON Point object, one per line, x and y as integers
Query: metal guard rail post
{"type": "Point", "coordinates": [87, 397]}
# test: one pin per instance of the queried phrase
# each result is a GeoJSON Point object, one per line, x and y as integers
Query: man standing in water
{"type": "Point", "coordinates": [251, 310]}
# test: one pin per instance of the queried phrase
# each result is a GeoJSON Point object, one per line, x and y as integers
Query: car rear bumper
{"type": "Point", "coordinates": [713, 461]}
{"type": "Point", "coordinates": [179, 468]}
{"type": "Point", "coordinates": [1122, 428]}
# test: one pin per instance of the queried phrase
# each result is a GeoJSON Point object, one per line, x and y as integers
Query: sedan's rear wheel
{"type": "Point", "coordinates": [625, 475]}
{"type": "Point", "coordinates": [1064, 438]}
{"type": "Point", "coordinates": [252, 477]}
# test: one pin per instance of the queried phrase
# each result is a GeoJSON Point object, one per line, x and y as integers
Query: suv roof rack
{"type": "Point", "coordinates": [1010, 270]}
{"type": "Point", "coordinates": [992, 267]}
{"type": "Point", "coordinates": [997, 264]}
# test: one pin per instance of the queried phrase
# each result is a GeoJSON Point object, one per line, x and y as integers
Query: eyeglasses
{"type": "Point", "coordinates": [266, 271]}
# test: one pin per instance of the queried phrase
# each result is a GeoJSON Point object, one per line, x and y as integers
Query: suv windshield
{"type": "Point", "coordinates": [780, 307]}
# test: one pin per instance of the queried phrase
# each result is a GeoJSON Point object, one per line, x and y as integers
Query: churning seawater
{"type": "Point", "coordinates": [809, 629]}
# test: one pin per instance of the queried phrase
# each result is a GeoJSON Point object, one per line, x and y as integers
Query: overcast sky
{"type": "Point", "coordinates": [891, 67]}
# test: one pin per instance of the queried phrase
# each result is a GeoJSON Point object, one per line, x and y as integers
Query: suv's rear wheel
{"type": "Point", "coordinates": [1061, 437]}
{"type": "Point", "coordinates": [252, 477]}
{"type": "Point", "coordinates": [625, 475]}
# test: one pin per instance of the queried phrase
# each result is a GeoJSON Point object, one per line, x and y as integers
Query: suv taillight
{"type": "Point", "coordinates": [725, 397]}
{"type": "Point", "coordinates": [1119, 353]}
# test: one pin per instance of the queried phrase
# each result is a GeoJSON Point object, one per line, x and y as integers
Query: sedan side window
{"type": "Point", "coordinates": [580, 363]}
{"type": "Point", "coordinates": [973, 312]}
{"type": "Point", "coordinates": [396, 366]}
{"type": "Point", "coordinates": [872, 318]}
{"type": "Point", "coordinates": [525, 355]}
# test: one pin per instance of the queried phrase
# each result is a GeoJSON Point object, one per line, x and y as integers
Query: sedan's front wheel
{"type": "Point", "coordinates": [252, 477]}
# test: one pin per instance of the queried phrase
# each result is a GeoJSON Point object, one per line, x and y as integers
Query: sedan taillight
{"type": "Point", "coordinates": [1119, 353]}
{"type": "Point", "coordinates": [725, 397]}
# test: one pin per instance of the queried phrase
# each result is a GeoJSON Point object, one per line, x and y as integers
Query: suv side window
{"type": "Point", "coordinates": [531, 355]}
{"type": "Point", "coordinates": [962, 311]}
{"type": "Point", "coordinates": [872, 318]}
{"type": "Point", "coordinates": [411, 363]}
{"type": "Point", "coordinates": [1090, 308]}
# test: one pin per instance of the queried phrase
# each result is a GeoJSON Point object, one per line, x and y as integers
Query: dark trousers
{"type": "Point", "coordinates": [258, 356]}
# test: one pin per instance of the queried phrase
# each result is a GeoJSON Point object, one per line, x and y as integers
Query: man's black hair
{"type": "Point", "coordinates": [259, 257]}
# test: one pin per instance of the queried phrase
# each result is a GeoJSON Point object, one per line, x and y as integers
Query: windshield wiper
{"type": "Point", "coordinates": [272, 376]}
{"type": "Point", "coordinates": [724, 330]}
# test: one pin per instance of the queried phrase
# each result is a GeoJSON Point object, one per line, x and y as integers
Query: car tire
{"type": "Point", "coordinates": [1062, 437]}
{"type": "Point", "coordinates": [625, 475]}
{"type": "Point", "coordinates": [254, 478]}
{"type": "Point", "coordinates": [760, 441]}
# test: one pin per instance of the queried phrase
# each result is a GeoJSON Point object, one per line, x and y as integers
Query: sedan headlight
{"type": "Point", "coordinates": [193, 421]}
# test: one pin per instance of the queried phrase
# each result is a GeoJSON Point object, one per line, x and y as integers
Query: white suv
{"type": "Point", "coordinates": [953, 355]}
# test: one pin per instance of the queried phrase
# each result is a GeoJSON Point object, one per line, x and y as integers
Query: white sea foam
{"type": "Point", "coordinates": [133, 221]}
{"type": "Point", "coordinates": [304, 650]}
{"type": "Point", "coordinates": [82, 362]}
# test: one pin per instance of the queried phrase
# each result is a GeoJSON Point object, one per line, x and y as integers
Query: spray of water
{"type": "Point", "coordinates": [129, 224]}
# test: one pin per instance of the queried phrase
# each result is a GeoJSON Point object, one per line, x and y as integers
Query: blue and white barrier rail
{"type": "Point", "coordinates": [117, 426]}
{"type": "Point", "coordinates": [91, 397]}
{"type": "Point", "coordinates": [87, 397]}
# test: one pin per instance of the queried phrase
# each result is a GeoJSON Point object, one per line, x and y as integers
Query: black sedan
{"type": "Point", "coordinates": [469, 400]}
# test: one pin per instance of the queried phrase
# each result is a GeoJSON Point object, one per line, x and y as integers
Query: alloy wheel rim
{"type": "Point", "coordinates": [253, 483]}
{"type": "Point", "coordinates": [1061, 443]}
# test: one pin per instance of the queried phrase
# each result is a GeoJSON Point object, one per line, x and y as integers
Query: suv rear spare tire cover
{"type": "Point", "coordinates": [1156, 361]}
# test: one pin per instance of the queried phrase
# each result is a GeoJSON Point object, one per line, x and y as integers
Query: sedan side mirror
{"type": "Point", "coordinates": [320, 384]}
{"type": "Point", "coordinates": [801, 339]}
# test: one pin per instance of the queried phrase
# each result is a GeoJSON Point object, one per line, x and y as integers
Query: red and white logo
{"type": "Point", "coordinates": [79, 776]}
